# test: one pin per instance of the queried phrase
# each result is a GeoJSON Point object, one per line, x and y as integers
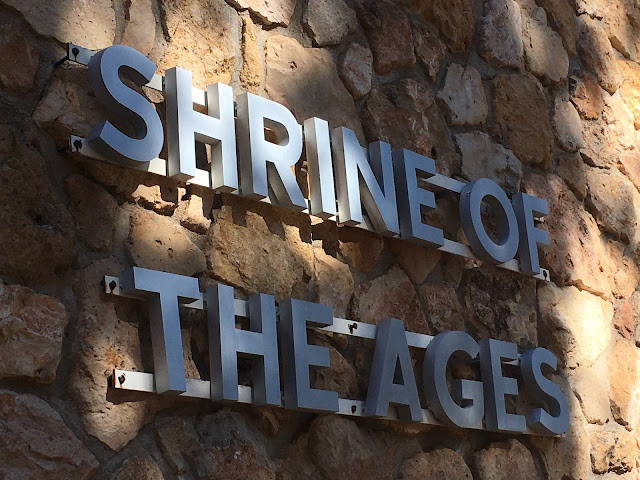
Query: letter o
{"type": "Point", "coordinates": [471, 198]}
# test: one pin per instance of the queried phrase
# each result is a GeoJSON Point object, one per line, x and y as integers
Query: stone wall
{"type": "Point", "coordinates": [543, 97]}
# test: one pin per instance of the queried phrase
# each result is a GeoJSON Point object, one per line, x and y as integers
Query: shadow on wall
{"type": "Point", "coordinates": [123, 218]}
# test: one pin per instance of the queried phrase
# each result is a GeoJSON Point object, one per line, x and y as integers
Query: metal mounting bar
{"type": "Point", "coordinates": [144, 382]}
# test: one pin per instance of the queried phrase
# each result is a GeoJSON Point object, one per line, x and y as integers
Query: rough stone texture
{"type": "Point", "coordinates": [361, 249]}
{"type": "Point", "coordinates": [329, 21]}
{"type": "Point", "coordinates": [140, 30]}
{"type": "Point", "coordinates": [443, 309]}
{"type": "Point", "coordinates": [105, 342]}
{"type": "Point", "coordinates": [566, 457]}
{"type": "Point", "coordinates": [624, 379]}
{"type": "Point", "coordinates": [270, 12]}
{"type": "Point", "coordinates": [90, 23]}
{"type": "Point", "coordinates": [483, 158]}
{"type": "Point", "coordinates": [455, 21]}
{"type": "Point", "coordinates": [243, 251]}
{"type": "Point", "coordinates": [157, 243]}
{"type": "Point", "coordinates": [522, 118]}
{"type": "Point", "coordinates": [560, 17]}
{"type": "Point", "coordinates": [430, 51]}
{"type": "Point", "coordinates": [624, 321]}
{"type": "Point", "coordinates": [630, 166]}
{"type": "Point", "coordinates": [567, 126]}
{"type": "Point", "coordinates": [416, 261]}
{"type": "Point", "coordinates": [405, 115]}
{"type": "Point", "coordinates": [341, 377]}
{"type": "Point", "coordinates": [31, 332]}
{"type": "Point", "coordinates": [200, 38]}
{"type": "Point", "coordinates": [578, 254]}
{"type": "Point", "coordinates": [19, 60]}
{"type": "Point", "coordinates": [94, 211]}
{"type": "Point", "coordinates": [191, 216]}
{"type": "Point", "coordinates": [613, 451]}
{"type": "Point", "coordinates": [389, 296]}
{"type": "Point", "coordinates": [443, 463]}
{"type": "Point", "coordinates": [620, 23]}
{"type": "Point", "coordinates": [356, 69]}
{"type": "Point", "coordinates": [575, 324]}
{"type": "Point", "coordinates": [462, 96]}
{"type": "Point", "coordinates": [333, 282]}
{"type": "Point", "coordinates": [500, 33]}
{"type": "Point", "coordinates": [136, 468]}
{"type": "Point", "coordinates": [587, 96]}
{"type": "Point", "coordinates": [389, 33]}
{"type": "Point", "coordinates": [293, 75]}
{"type": "Point", "coordinates": [544, 53]}
{"type": "Point", "coordinates": [37, 236]}
{"type": "Point", "coordinates": [597, 54]}
{"type": "Point", "coordinates": [151, 198]}
{"type": "Point", "coordinates": [336, 448]}
{"type": "Point", "coordinates": [505, 461]}
{"type": "Point", "coordinates": [35, 443]}
{"type": "Point", "coordinates": [501, 306]}
{"type": "Point", "coordinates": [615, 203]}
{"type": "Point", "coordinates": [592, 390]}
{"type": "Point", "coordinates": [572, 169]}
{"type": "Point", "coordinates": [221, 446]}
{"type": "Point", "coordinates": [251, 74]}
{"type": "Point", "coordinates": [630, 88]}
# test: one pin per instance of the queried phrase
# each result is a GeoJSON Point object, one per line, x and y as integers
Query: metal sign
{"type": "Point", "coordinates": [276, 342]}
{"type": "Point", "coordinates": [374, 187]}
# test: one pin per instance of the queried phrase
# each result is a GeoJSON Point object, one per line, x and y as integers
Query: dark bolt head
{"type": "Point", "coordinates": [121, 379]}
{"type": "Point", "coordinates": [75, 51]}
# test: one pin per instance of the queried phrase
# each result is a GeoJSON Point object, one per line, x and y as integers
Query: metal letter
{"type": "Point", "coordinates": [496, 386]}
{"type": "Point", "coordinates": [264, 164]}
{"type": "Point", "coordinates": [322, 201]}
{"type": "Point", "coordinates": [471, 198]}
{"type": "Point", "coordinates": [185, 126]}
{"type": "Point", "coordinates": [545, 392]}
{"type": "Point", "coordinates": [298, 355]}
{"type": "Point", "coordinates": [226, 342]}
{"type": "Point", "coordinates": [525, 207]}
{"type": "Point", "coordinates": [411, 198]}
{"type": "Point", "coordinates": [358, 181]}
{"type": "Point", "coordinates": [163, 291]}
{"type": "Point", "coordinates": [464, 406]}
{"type": "Point", "coordinates": [105, 68]}
{"type": "Point", "coordinates": [392, 351]}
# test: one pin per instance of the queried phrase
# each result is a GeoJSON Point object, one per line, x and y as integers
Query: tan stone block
{"type": "Point", "coordinates": [630, 88]}
{"type": "Point", "coordinates": [360, 248]}
{"type": "Point", "coordinates": [405, 115]}
{"type": "Point", "coordinates": [293, 76]}
{"type": "Point", "coordinates": [567, 126]}
{"type": "Point", "coordinates": [454, 19]}
{"type": "Point", "coordinates": [201, 38]}
{"type": "Point", "coordinates": [251, 247]}
{"type": "Point", "coordinates": [191, 216]}
{"type": "Point", "coordinates": [578, 254]}
{"type": "Point", "coordinates": [597, 54]}
{"type": "Point", "coordinates": [356, 69]}
{"type": "Point", "coordinates": [36, 443]}
{"type": "Point", "coordinates": [544, 52]}
{"type": "Point", "coordinates": [576, 324]}
{"type": "Point", "coordinates": [136, 468]}
{"type": "Point", "coordinates": [624, 378]}
{"type": "Point", "coordinates": [268, 11]}
{"type": "Point", "coordinates": [417, 261]}
{"type": "Point", "coordinates": [333, 283]}
{"type": "Point", "coordinates": [500, 33]}
{"type": "Point", "coordinates": [441, 463]}
{"type": "Point", "coordinates": [32, 328]}
{"type": "Point", "coordinates": [586, 95]}
{"type": "Point", "coordinates": [140, 30]}
{"type": "Point", "coordinates": [329, 21]}
{"type": "Point", "coordinates": [251, 73]}
{"type": "Point", "coordinates": [19, 60]}
{"type": "Point", "coordinates": [429, 49]}
{"type": "Point", "coordinates": [561, 17]}
{"type": "Point", "coordinates": [89, 23]}
{"type": "Point", "coordinates": [592, 389]}
{"type": "Point", "coordinates": [522, 118]}
{"type": "Point", "coordinates": [462, 97]}
{"type": "Point", "coordinates": [389, 296]}
{"type": "Point", "coordinates": [509, 460]}
{"type": "Point", "coordinates": [612, 450]}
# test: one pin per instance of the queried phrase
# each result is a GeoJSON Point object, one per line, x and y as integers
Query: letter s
{"type": "Point", "coordinates": [104, 73]}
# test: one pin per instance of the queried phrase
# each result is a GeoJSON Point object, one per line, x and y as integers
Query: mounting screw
{"type": "Point", "coordinates": [121, 379]}
{"type": "Point", "coordinates": [352, 327]}
{"type": "Point", "coordinates": [75, 51]}
{"type": "Point", "coordinates": [77, 144]}
{"type": "Point", "coordinates": [112, 285]}
{"type": "Point", "coordinates": [354, 409]}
